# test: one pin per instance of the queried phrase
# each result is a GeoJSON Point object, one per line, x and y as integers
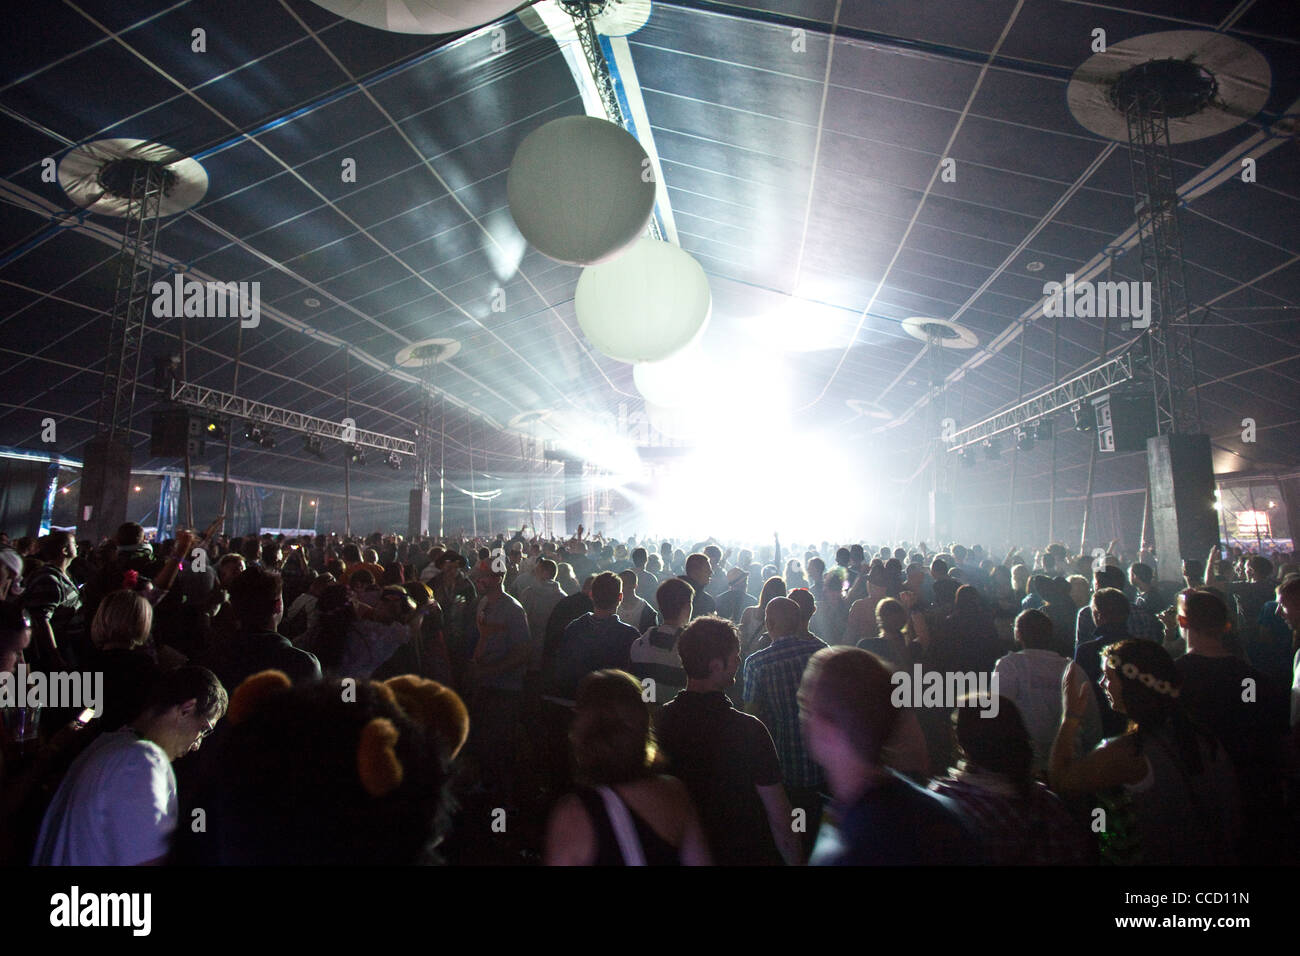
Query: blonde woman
{"type": "Point", "coordinates": [120, 635]}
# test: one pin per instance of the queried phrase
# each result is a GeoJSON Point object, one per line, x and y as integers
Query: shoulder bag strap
{"type": "Point", "coordinates": [629, 844]}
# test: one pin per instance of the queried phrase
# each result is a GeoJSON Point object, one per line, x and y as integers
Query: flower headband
{"type": "Point", "coordinates": [1130, 670]}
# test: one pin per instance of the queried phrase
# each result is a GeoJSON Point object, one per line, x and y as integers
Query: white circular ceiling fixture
{"type": "Point", "coordinates": [615, 18]}
{"type": "Point", "coordinates": [428, 352]}
{"type": "Point", "coordinates": [420, 16]}
{"type": "Point", "coordinates": [949, 333]}
{"type": "Point", "coordinates": [1207, 81]}
{"type": "Point", "coordinates": [526, 420]}
{"type": "Point", "coordinates": [97, 176]}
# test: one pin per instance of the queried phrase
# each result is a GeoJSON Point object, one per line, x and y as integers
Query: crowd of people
{"type": "Point", "coordinates": [602, 702]}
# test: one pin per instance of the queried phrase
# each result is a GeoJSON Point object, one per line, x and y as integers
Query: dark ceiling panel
{"type": "Point", "coordinates": [782, 177]}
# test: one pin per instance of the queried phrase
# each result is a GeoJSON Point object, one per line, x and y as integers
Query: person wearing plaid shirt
{"type": "Point", "coordinates": [1141, 623]}
{"type": "Point", "coordinates": [772, 678]}
{"type": "Point", "coordinates": [1016, 819]}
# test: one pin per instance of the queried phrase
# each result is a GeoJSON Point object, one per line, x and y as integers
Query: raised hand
{"type": "Point", "coordinates": [1075, 688]}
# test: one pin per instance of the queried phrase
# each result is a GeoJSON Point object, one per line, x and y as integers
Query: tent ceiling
{"type": "Point", "coordinates": [794, 169]}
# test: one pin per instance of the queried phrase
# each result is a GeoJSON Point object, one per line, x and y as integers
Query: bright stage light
{"type": "Point", "coordinates": [755, 469]}
{"type": "Point", "coordinates": [590, 438]}
{"type": "Point", "coordinates": [802, 486]}
{"type": "Point", "coordinates": [675, 382]}
{"type": "Point", "coordinates": [793, 324]}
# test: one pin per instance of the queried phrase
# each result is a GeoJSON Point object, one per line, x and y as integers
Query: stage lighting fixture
{"type": "Point", "coordinates": [212, 428]}
{"type": "Point", "coordinates": [394, 461]}
{"type": "Point", "coordinates": [992, 449]}
{"type": "Point", "coordinates": [355, 454]}
{"type": "Point", "coordinates": [313, 445]}
{"type": "Point", "coordinates": [259, 435]}
{"type": "Point", "coordinates": [1084, 418]}
{"type": "Point", "coordinates": [1024, 438]}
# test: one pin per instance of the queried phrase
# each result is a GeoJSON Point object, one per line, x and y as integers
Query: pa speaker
{"type": "Point", "coordinates": [1181, 474]}
{"type": "Point", "coordinates": [169, 434]}
{"type": "Point", "coordinates": [173, 432]}
{"type": "Point", "coordinates": [1125, 420]}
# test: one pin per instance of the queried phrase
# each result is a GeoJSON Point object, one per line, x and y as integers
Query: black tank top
{"type": "Point", "coordinates": [657, 850]}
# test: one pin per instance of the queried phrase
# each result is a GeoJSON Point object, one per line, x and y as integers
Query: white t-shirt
{"type": "Point", "coordinates": [1295, 691]}
{"type": "Point", "coordinates": [1033, 679]}
{"type": "Point", "coordinates": [116, 806]}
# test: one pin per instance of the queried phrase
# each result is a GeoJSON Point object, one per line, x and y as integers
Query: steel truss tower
{"type": "Point", "coordinates": [1149, 95]}
{"type": "Point", "coordinates": [106, 473]}
{"type": "Point", "coordinates": [143, 184]}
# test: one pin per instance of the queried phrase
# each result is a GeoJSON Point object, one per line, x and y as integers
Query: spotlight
{"type": "Point", "coordinates": [213, 429]}
{"type": "Point", "coordinates": [1024, 438]}
{"type": "Point", "coordinates": [314, 446]}
{"type": "Point", "coordinates": [356, 454]}
{"type": "Point", "coordinates": [1084, 419]}
{"type": "Point", "coordinates": [394, 461]}
{"type": "Point", "coordinates": [259, 435]}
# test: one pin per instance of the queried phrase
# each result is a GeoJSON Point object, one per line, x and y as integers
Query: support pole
{"type": "Point", "coordinates": [1146, 511]}
{"type": "Point", "coordinates": [1056, 379]}
{"type": "Point", "coordinates": [230, 425]}
{"type": "Point", "coordinates": [1087, 500]}
{"type": "Point", "coordinates": [1259, 546]}
{"type": "Point", "coordinates": [1092, 455]}
{"type": "Point", "coordinates": [189, 483]}
{"type": "Point", "coordinates": [442, 468]}
{"type": "Point", "coordinates": [347, 457]}
{"type": "Point", "coordinates": [1015, 452]}
{"type": "Point", "coordinates": [473, 484]}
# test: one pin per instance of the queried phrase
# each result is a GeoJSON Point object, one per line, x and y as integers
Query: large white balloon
{"type": "Point", "coordinates": [421, 16]}
{"type": "Point", "coordinates": [580, 189]}
{"type": "Point", "coordinates": [644, 306]}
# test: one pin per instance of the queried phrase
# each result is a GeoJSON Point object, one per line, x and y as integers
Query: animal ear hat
{"type": "Point", "coordinates": [434, 706]}
{"type": "Point", "coordinates": [255, 691]}
{"type": "Point", "coordinates": [427, 703]}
